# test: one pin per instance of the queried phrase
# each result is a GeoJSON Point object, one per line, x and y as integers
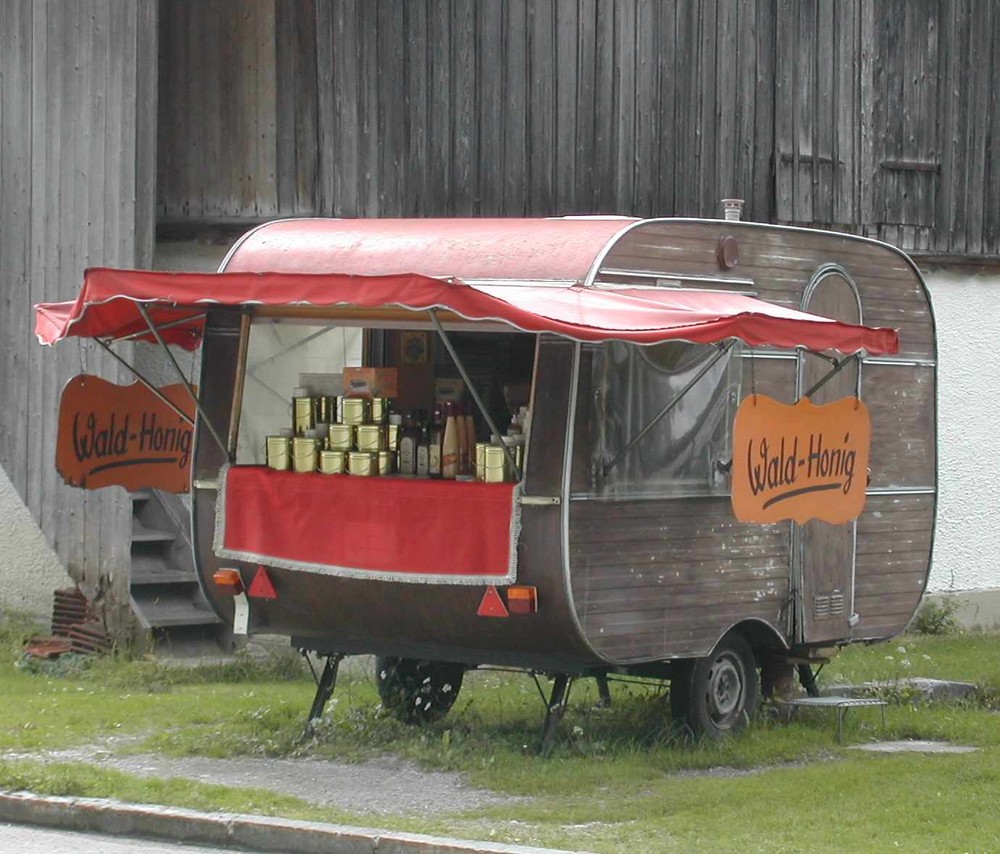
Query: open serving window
{"type": "Point", "coordinates": [376, 452]}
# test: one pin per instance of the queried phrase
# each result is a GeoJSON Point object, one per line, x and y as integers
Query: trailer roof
{"type": "Point", "coordinates": [112, 304]}
{"type": "Point", "coordinates": [513, 249]}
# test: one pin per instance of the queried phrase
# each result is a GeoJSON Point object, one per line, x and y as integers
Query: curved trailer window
{"type": "Point", "coordinates": [685, 452]}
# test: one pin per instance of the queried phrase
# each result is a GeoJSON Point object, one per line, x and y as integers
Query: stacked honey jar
{"type": "Point", "coordinates": [360, 436]}
{"type": "Point", "coordinates": [335, 435]}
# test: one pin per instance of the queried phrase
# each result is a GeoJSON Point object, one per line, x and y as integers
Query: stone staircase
{"type": "Point", "coordinates": [173, 618]}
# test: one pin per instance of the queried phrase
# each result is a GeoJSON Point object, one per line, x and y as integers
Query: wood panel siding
{"type": "Point", "coordinates": [667, 578]}
{"type": "Point", "coordinates": [76, 136]}
{"type": "Point", "coordinates": [893, 560]}
{"type": "Point", "coordinates": [869, 116]}
{"type": "Point", "coordinates": [659, 579]}
{"type": "Point", "coordinates": [901, 402]}
{"type": "Point", "coordinates": [544, 465]}
{"type": "Point", "coordinates": [518, 107]}
{"type": "Point", "coordinates": [781, 263]}
{"type": "Point", "coordinates": [884, 107]}
{"type": "Point", "coordinates": [237, 131]}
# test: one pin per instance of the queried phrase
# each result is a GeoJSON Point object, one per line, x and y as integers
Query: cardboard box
{"type": "Point", "coordinates": [449, 389]}
{"type": "Point", "coordinates": [329, 385]}
{"type": "Point", "coordinates": [371, 382]}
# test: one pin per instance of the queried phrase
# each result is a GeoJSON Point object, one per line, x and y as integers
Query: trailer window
{"type": "Point", "coordinates": [688, 451]}
{"type": "Point", "coordinates": [278, 358]}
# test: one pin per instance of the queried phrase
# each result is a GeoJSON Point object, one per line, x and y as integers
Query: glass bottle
{"type": "Point", "coordinates": [408, 447]}
{"type": "Point", "coordinates": [423, 445]}
{"type": "Point", "coordinates": [436, 438]}
{"type": "Point", "coordinates": [450, 444]}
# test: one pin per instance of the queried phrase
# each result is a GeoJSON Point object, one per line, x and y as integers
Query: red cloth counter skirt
{"type": "Point", "coordinates": [388, 528]}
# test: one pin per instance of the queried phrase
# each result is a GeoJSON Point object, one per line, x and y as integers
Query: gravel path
{"type": "Point", "coordinates": [381, 786]}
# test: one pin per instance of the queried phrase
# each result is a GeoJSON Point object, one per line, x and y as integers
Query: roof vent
{"type": "Point", "coordinates": [733, 208]}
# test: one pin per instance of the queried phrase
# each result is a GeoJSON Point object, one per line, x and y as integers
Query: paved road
{"type": "Point", "coordinates": [34, 840]}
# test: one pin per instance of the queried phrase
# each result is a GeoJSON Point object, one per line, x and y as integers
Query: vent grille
{"type": "Point", "coordinates": [826, 606]}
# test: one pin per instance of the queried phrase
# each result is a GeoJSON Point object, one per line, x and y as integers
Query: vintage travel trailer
{"type": "Point", "coordinates": [603, 362]}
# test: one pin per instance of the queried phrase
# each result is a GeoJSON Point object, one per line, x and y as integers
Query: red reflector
{"type": "Point", "coordinates": [228, 580]}
{"type": "Point", "coordinates": [522, 599]}
{"type": "Point", "coordinates": [492, 605]}
{"type": "Point", "coordinates": [261, 586]}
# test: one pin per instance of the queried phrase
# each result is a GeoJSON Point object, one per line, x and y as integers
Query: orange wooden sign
{"type": "Point", "coordinates": [800, 462]}
{"type": "Point", "coordinates": [113, 435]}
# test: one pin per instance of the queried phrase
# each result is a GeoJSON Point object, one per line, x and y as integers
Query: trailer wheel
{"type": "Point", "coordinates": [417, 691]}
{"type": "Point", "coordinates": [718, 694]}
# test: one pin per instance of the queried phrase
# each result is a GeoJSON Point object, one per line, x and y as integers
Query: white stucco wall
{"type": "Point", "coordinates": [29, 569]}
{"type": "Point", "coordinates": [967, 312]}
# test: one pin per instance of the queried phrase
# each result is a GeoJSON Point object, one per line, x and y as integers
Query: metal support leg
{"type": "Point", "coordinates": [555, 711]}
{"type": "Point", "coordinates": [324, 690]}
{"type": "Point", "coordinates": [841, 714]}
{"type": "Point", "coordinates": [603, 691]}
{"type": "Point", "coordinates": [808, 680]}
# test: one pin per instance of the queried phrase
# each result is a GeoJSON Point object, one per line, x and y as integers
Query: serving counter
{"type": "Point", "coordinates": [390, 528]}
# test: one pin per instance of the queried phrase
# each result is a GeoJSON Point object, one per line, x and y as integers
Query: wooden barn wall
{"type": "Point", "coordinates": [872, 116]}
{"type": "Point", "coordinates": [460, 107]}
{"type": "Point", "coordinates": [76, 167]}
{"type": "Point", "coordinates": [887, 121]}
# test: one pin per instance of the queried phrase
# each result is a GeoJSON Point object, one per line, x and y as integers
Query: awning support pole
{"type": "Point", "coordinates": [161, 327]}
{"type": "Point", "coordinates": [723, 349]}
{"type": "Point", "coordinates": [184, 380]}
{"type": "Point", "coordinates": [472, 390]}
{"type": "Point", "coordinates": [152, 389]}
{"type": "Point", "coordinates": [838, 366]}
{"type": "Point", "coordinates": [241, 372]}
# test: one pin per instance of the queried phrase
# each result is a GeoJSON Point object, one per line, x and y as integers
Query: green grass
{"type": "Point", "coordinates": [971, 657]}
{"type": "Point", "coordinates": [619, 779]}
{"type": "Point", "coordinates": [77, 780]}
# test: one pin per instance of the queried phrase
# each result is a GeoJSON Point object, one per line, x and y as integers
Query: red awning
{"type": "Point", "coordinates": [107, 307]}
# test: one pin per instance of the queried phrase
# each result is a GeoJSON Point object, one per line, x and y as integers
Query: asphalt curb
{"type": "Point", "coordinates": [240, 832]}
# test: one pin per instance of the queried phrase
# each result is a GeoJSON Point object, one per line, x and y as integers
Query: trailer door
{"type": "Point", "coordinates": [823, 555]}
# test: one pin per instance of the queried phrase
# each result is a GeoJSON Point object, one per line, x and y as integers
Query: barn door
{"type": "Point", "coordinates": [824, 554]}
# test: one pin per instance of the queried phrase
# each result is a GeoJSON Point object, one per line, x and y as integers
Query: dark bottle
{"type": "Point", "coordinates": [435, 438]}
{"type": "Point", "coordinates": [408, 446]}
{"type": "Point", "coordinates": [464, 448]}
{"type": "Point", "coordinates": [423, 445]}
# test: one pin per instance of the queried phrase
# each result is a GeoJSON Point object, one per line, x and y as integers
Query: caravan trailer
{"type": "Point", "coordinates": [601, 366]}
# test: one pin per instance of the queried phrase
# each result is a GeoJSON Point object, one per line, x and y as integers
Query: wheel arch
{"type": "Point", "coordinates": [761, 635]}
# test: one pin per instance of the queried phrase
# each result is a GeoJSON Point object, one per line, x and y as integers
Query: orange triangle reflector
{"type": "Point", "coordinates": [492, 605]}
{"type": "Point", "coordinates": [261, 587]}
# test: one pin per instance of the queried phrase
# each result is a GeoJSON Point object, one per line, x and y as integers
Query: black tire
{"type": "Point", "coordinates": [417, 691]}
{"type": "Point", "coordinates": [720, 693]}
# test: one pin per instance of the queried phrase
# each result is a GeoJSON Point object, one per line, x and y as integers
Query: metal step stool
{"type": "Point", "coordinates": [841, 704]}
